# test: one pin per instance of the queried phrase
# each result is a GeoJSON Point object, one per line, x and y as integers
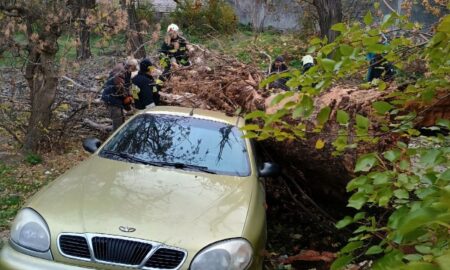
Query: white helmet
{"type": "Point", "coordinates": [307, 59]}
{"type": "Point", "coordinates": [172, 27]}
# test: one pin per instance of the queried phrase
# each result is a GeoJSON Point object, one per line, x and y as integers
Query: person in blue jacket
{"type": "Point", "coordinates": [147, 95]}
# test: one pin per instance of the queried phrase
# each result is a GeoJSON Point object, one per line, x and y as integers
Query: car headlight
{"type": "Point", "coordinates": [30, 231]}
{"type": "Point", "coordinates": [231, 254]}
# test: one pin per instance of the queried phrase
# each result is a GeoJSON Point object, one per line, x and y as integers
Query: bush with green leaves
{"type": "Point", "coordinates": [203, 17]}
{"type": "Point", "coordinates": [402, 195]}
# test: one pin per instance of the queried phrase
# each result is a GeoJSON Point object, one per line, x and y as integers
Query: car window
{"type": "Point", "coordinates": [167, 139]}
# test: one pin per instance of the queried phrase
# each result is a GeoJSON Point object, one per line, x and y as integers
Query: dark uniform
{"type": "Point", "coordinates": [168, 51]}
{"type": "Point", "coordinates": [113, 95]}
{"type": "Point", "coordinates": [281, 82]}
{"type": "Point", "coordinates": [148, 87]}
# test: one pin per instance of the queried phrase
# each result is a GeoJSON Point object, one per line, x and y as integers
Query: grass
{"type": "Point", "coordinates": [13, 193]}
{"type": "Point", "coordinates": [67, 49]}
{"type": "Point", "coordinates": [252, 48]}
{"type": "Point", "coordinates": [20, 180]}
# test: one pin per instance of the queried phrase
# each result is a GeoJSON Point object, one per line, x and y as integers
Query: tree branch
{"type": "Point", "coordinates": [389, 6]}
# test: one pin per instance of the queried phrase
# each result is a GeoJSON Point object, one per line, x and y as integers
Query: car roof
{"type": "Point", "coordinates": [197, 113]}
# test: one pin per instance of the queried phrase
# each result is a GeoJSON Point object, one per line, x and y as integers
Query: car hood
{"type": "Point", "coordinates": [186, 209]}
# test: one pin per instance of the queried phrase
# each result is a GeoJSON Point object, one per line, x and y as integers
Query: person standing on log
{"type": "Point", "coordinates": [147, 95]}
{"type": "Point", "coordinates": [114, 93]}
{"type": "Point", "coordinates": [278, 66]}
{"type": "Point", "coordinates": [173, 51]}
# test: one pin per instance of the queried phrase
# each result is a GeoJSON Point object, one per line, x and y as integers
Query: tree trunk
{"type": "Point", "coordinates": [41, 74]}
{"type": "Point", "coordinates": [135, 38]}
{"type": "Point", "coordinates": [329, 12]}
{"type": "Point", "coordinates": [84, 33]}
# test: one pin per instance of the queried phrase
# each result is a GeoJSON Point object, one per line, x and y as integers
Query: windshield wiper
{"type": "Point", "coordinates": [179, 165]}
{"type": "Point", "coordinates": [131, 158]}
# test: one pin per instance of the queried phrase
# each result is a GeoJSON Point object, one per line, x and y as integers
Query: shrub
{"type": "Point", "coordinates": [33, 159]}
{"type": "Point", "coordinates": [211, 16]}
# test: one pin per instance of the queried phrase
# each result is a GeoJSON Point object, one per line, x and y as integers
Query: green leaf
{"type": "Point", "coordinates": [384, 197]}
{"type": "Point", "coordinates": [304, 108]}
{"type": "Point", "coordinates": [392, 155]}
{"type": "Point", "coordinates": [392, 260]}
{"type": "Point", "coordinates": [368, 19]}
{"type": "Point", "coordinates": [344, 222]}
{"type": "Point", "coordinates": [367, 41]}
{"type": "Point", "coordinates": [366, 162]}
{"type": "Point", "coordinates": [346, 50]}
{"type": "Point", "coordinates": [352, 246]}
{"type": "Point", "coordinates": [420, 266]}
{"type": "Point", "coordinates": [380, 178]}
{"type": "Point", "coordinates": [328, 64]}
{"type": "Point", "coordinates": [444, 26]}
{"type": "Point", "coordinates": [401, 194]}
{"type": "Point", "coordinates": [323, 115]}
{"type": "Point", "coordinates": [413, 257]}
{"type": "Point", "coordinates": [342, 117]}
{"type": "Point", "coordinates": [255, 114]}
{"type": "Point", "coordinates": [444, 261]}
{"type": "Point", "coordinates": [339, 27]}
{"type": "Point", "coordinates": [359, 216]}
{"type": "Point", "coordinates": [357, 182]}
{"type": "Point", "coordinates": [415, 219]}
{"type": "Point", "coordinates": [357, 200]}
{"type": "Point", "coordinates": [315, 41]}
{"type": "Point", "coordinates": [445, 175]}
{"type": "Point", "coordinates": [382, 107]}
{"type": "Point", "coordinates": [374, 250]}
{"type": "Point", "coordinates": [430, 157]}
{"type": "Point", "coordinates": [423, 249]}
{"type": "Point", "coordinates": [341, 262]}
{"type": "Point", "coordinates": [362, 122]}
{"type": "Point", "coordinates": [250, 127]}
{"type": "Point", "coordinates": [278, 98]}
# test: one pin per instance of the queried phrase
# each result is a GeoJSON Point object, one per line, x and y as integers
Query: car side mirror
{"type": "Point", "coordinates": [91, 144]}
{"type": "Point", "coordinates": [270, 169]}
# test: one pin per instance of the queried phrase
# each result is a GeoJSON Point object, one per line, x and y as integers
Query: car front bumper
{"type": "Point", "coordinates": [10, 259]}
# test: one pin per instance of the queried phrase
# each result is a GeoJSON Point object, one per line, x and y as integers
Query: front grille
{"type": "Point", "coordinates": [116, 250]}
{"type": "Point", "coordinates": [75, 246]}
{"type": "Point", "coordinates": [165, 258]}
{"type": "Point", "coordinates": [119, 250]}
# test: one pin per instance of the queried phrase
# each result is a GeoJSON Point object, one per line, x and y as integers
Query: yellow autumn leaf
{"type": "Point", "coordinates": [320, 144]}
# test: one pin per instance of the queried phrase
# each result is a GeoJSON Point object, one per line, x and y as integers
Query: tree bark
{"type": "Point", "coordinates": [81, 8]}
{"type": "Point", "coordinates": [135, 38]}
{"type": "Point", "coordinates": [41, 74]}
{"type": "Point", "coordinates": [329, 12]}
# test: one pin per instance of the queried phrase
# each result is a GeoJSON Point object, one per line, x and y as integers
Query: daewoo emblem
{"type": "Point", "coordinates": [126, 229]}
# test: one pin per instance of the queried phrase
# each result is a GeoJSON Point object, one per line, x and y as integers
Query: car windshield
{"type": "Point", "coordinates": [181, 142]}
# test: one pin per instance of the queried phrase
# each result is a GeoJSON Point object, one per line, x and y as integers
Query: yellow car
{"type": "Point", "coordinates": [173, 188]}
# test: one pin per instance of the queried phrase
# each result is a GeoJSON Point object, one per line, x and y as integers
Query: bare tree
{"type": "Point", "coordinates": [329, 12]}
{"type": "Point", "coordinates": [80, 9]}
{"type": "Point", "coordinates": [42, 22]}
{"type": "Point", "coordinates": [134, 33]}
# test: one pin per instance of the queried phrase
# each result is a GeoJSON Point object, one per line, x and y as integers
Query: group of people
{"type": "Point", "coordinates": [279, 66]}
{"type": "Point", "coordinates": [138, 83]}
{"type": "Point", "coordinates": [379, 68]}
